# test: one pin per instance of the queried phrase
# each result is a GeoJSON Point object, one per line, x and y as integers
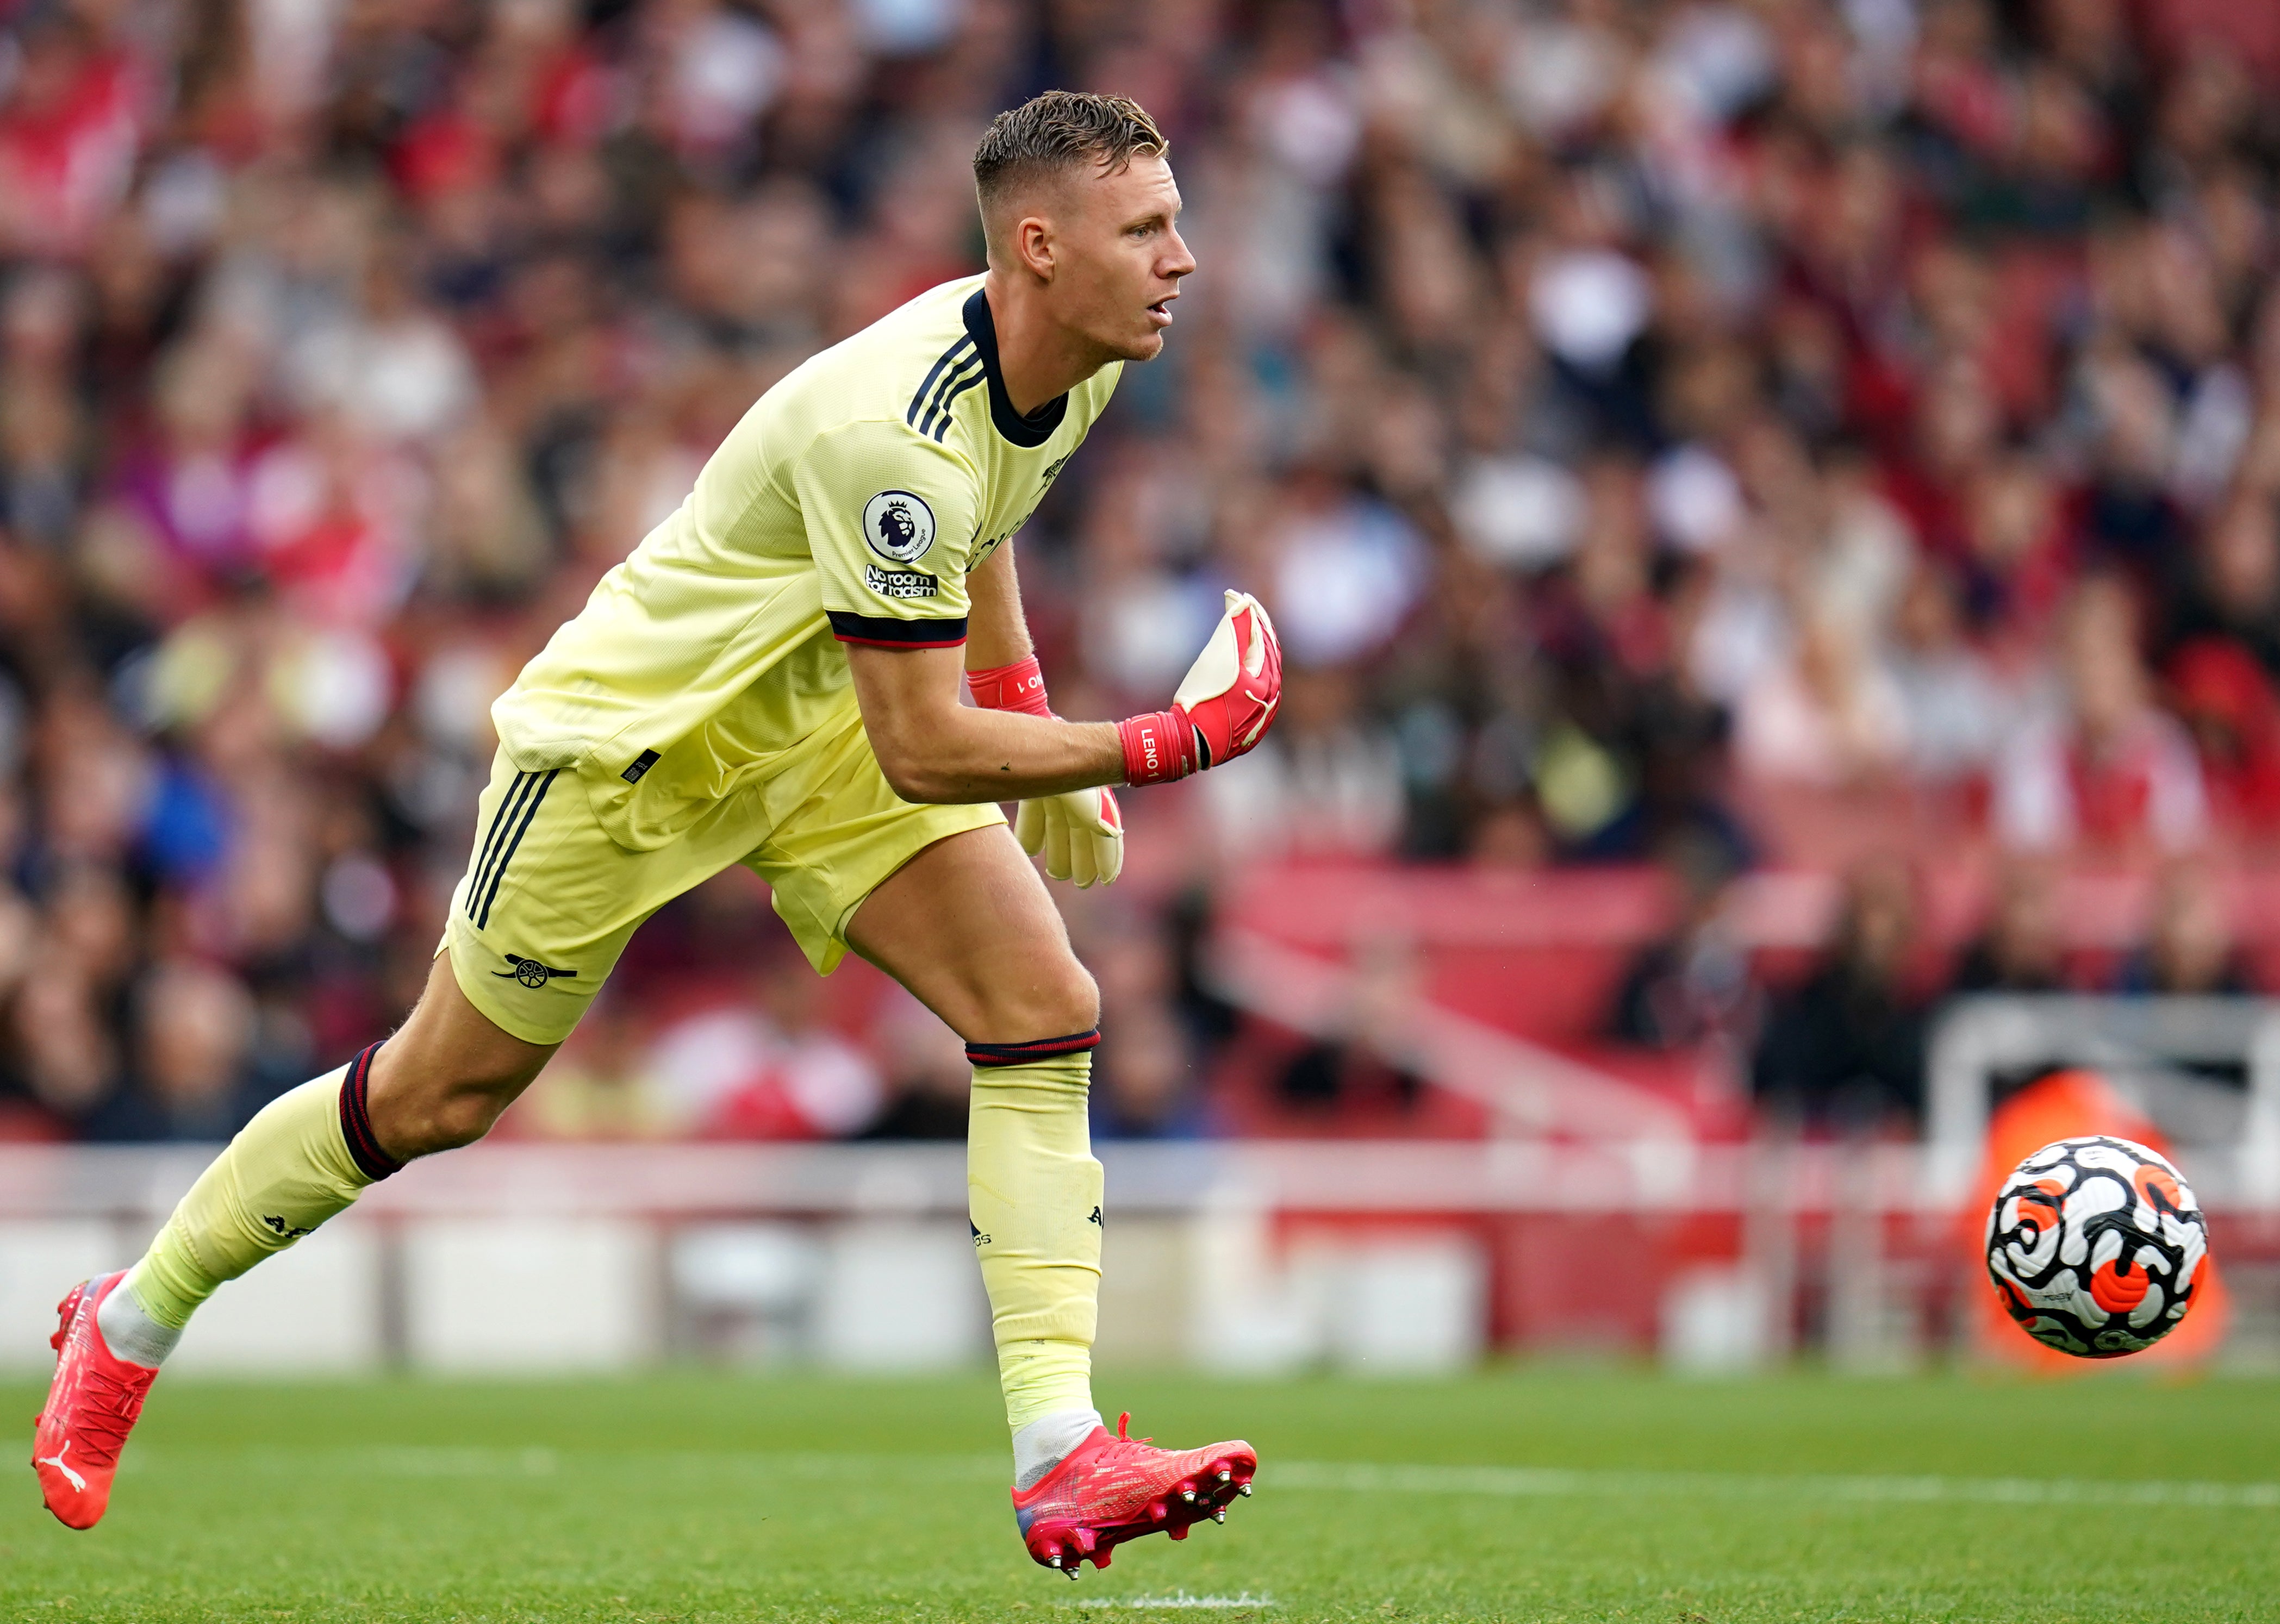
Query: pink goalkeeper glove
{"type": "Point", "coordinates": [1223, 705]}
{"type": "Point", "coordinates": [1018, 686]}
{"type": "Point", "coordinates": [1080, 833]}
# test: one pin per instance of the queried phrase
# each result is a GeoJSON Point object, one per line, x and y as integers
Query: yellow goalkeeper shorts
{"type": "Point", "coordinates": [549, 899]}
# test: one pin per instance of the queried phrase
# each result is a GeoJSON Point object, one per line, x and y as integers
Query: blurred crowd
{"type": "Point", "coordinates": [1653, 423]}
{"type": "Point", "coordinates": [1839, 1042]}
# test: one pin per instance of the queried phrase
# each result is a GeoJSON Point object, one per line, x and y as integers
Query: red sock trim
{"type": "Point", "coordinates": [356, 1120]}
{"type": "Point", "coordinates": [1036, 1049]}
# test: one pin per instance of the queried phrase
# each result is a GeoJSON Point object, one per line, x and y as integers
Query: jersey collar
{"type": "Point", "coordinates": [1029, 432]}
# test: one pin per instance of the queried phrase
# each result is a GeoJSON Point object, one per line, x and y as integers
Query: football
{"type": "Point", "coordinates": [2095, 1246]}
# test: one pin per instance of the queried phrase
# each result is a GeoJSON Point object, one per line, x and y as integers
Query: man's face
{"type": "Point", "coordinates": [1117, 256]}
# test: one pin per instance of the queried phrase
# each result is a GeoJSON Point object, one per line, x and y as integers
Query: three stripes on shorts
{"type": "Point", "coordinates": [516, 810]}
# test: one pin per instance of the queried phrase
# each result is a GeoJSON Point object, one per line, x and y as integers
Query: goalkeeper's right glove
{"type": "Point", "coordinates": [1222, 705]}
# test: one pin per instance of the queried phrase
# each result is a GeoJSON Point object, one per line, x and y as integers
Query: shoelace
{"type": "Point", "coordinates": [1124, 1446]}
{"type": "Point", "coordinates": [107, 1413]}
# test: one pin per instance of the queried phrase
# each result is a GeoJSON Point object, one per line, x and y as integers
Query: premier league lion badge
{"type": "Point", "coordinates": [898, 525]}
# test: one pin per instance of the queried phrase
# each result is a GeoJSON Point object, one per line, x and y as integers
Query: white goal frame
{"type": "Point", "coordinates": [1980, 1036]}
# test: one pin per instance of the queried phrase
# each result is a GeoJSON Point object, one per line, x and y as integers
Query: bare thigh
{"type": "Point", "coordinates": [967, 926]}
{"type": "Point", "coordinates": [443, 1077]}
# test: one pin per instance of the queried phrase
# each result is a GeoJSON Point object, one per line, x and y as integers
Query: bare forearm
{"type": "Point", "coordinates": [975, 755]}
{"type": "Point", "coordinates": [997, 633]}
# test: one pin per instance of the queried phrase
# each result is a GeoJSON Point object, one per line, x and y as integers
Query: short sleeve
{"type": "Point", "coordinates": [889, 516]}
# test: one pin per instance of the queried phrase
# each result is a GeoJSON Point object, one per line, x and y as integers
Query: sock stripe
{"type": "Point", "coordinates": [356, 1120]}
{"type": "Point", "coordinates": [1036, 1049]}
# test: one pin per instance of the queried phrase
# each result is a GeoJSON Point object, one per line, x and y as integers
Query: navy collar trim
{"type": "Point", "coordinates": [1029, 432]}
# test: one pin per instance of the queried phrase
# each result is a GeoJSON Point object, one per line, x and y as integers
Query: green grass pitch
{"type": "Point", "coordinates": [1529, 1494]}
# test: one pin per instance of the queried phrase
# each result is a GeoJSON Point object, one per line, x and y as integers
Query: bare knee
{"type": "Point", "coordinates": [420, 1106]}
{"type": "Point", "coordinates": [1053, 1000]}
{"type": "Point", "coordinates": [1075, 1004]}
{"type": "Point", "coordinates": [444, 1118]}
{"type": "Point", "coordinates": [446, 1075]}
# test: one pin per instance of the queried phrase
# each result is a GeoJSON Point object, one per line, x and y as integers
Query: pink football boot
{"type": "Point", "coordinates": [92, 1406]}
{"type": "Point", "coordinates": [1112, 1489]}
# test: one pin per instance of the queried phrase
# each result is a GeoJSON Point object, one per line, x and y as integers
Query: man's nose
{"type": "Point", "coordinates": [1181, 263]}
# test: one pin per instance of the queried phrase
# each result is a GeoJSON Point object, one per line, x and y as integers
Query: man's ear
{"type": "Point", "coordinates": [1034, 248]}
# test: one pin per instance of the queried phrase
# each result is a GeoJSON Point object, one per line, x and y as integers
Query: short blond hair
{"type": "Point", "coordinates": [1059, 130]}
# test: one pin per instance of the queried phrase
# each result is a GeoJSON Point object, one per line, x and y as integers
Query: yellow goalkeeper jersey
{"type": "Point", "coordinates": [848, 505]}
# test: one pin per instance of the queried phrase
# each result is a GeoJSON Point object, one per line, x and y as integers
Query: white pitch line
{"type": "Point", "coordinates": [1178, 1599]}
{"type": "Point", "coordinates": [1305, 1476]}
{"type": "Point", "coordinates": [1526, 1482]}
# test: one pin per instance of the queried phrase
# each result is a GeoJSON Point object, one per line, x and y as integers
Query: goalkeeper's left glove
{"type": "Point", "coordinates": [1080, 833]}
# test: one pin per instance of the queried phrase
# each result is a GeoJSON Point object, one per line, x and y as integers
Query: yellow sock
{"type": "Point", "coordinates": [1034, 1193]}
{"type": "Point", "coordinates": [289, 1171]}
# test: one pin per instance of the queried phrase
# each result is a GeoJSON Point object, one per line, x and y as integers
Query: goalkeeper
{"type": "Point", "coordinates": [773, 678]}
